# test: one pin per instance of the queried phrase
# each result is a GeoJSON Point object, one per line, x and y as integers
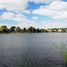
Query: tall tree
{"type": "Point", "coordinates": [31, 29]}
{"type": "Point", "coordinates": [18, 29]}
{"type": "Point", "coordinates": [13, 29]}
{"type": "Point", "coordinates": [4, 29]}
{"type": "Point", "coordinates": [24, 29]}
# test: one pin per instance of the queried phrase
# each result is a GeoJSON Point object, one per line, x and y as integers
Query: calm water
{"type": "Point", "coordinates": [32, 50]}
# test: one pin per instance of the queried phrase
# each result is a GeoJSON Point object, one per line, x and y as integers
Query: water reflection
{"type": "Point", "coordinates": [32, 50]}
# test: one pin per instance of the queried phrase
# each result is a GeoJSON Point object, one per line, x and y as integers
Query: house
{"type": "Point", "coordinates": [59, 30]}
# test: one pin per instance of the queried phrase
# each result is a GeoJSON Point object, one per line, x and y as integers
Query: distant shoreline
{"type": "Point", "coordinates": [14, 29]}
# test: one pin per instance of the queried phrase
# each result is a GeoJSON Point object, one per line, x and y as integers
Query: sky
{"type": "Point", "coordinates": [36, 13]}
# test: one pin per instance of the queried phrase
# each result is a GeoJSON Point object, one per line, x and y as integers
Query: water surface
{"type": "Point", "coordinates": [32, 49]}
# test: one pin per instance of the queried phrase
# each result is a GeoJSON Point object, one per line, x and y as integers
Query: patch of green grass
{"type": "Point", "coordinates": [64, 53]}
{"type": "Point", "coordinates": [65, 57]}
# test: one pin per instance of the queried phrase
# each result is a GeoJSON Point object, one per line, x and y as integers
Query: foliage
{"type": "Point", "coordinates": [31, 29]}
{"type": "Point", "coordinates": [18, 29]}
{"type": "Point", "coordinates": [3, 29]}
{"type": "Point", "coordinates": [14, 29]}
{"type": "Point", "coordinates": [64, 54]}
{"type": "Point", "coordinates": [24, 29]}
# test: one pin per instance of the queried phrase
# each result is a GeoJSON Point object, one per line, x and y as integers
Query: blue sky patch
{"type": "Point", "coordinates": [32, 5]}
{"type": "Point", "coordinates": [65, 0]}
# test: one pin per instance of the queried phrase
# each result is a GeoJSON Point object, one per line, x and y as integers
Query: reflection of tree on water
{"type": "Point", "coordinates": [64, 54]}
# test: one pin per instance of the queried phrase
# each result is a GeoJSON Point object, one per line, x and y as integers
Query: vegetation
{"type": "Point", "coordinates": [14, 29]}
{"type": "Point", "coordinates": [64, 54]}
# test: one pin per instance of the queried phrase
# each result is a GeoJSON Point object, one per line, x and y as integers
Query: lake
{"type": "Point", "coordinates": [32, 49]}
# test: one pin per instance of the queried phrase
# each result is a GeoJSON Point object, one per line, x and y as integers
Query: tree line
{"type": "Point", "coordinates": [14, 29]}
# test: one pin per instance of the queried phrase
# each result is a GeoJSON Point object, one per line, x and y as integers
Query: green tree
{"type": "Point", "coordinates": [18, 29]}
{"type": "Point", "coordinates": [38, 30]}
{"type": "Point", "coordinates": [32, 29]}
{"type": "Point", "coordinates": [24, 29]}
{"type": "Point", "coordinates": [13, 29]}
{"type": "Point", "coordinates": [63, 30]}
{"type": "Point", "coordinates": [4, 29]}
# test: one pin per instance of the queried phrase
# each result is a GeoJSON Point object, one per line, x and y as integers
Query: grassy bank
{"type": "Point", "coordinates": [64, 54]}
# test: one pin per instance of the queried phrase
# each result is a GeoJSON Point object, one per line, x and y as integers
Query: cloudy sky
{"type": "Point", "coordinates": [37, 13]}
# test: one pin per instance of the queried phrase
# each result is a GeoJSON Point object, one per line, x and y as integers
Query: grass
{"type": "Point", "coordinates": [64, 54]}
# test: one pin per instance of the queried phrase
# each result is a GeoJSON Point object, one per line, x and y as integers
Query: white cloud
{"type": "Point", "coordinates": [58, 5]}
{"type": "Point", "coordinates": [24, 22]}
{"type": "Point", "coordinates": [28, 23]}
{"type": "Point", "coordinates": [20, 5]}
{"type": "Point", "coordinates": [27, 11]}
{"type": "Point", "coordinates": [46, 25]}
{"type": "Point", "coordinates": [35, 18]}
{"type": "Point", "coordinates": [13, 4]}
{"type": "Point", "coordinates": [11, 16]}
{"type": "Point", "coordinates": [7, 15]}
{"type": "Point", "coordinates": [19, 17]}
{"type": "Point", "coordinates": [54, 25]}
{"type": "Point", "coordinates": [21, 20]}
{"type": "Point", "coordinates": [57, 9]}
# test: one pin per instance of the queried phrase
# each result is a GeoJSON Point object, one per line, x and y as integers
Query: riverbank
{"type": "Point", "coordinates": [14, 29]}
